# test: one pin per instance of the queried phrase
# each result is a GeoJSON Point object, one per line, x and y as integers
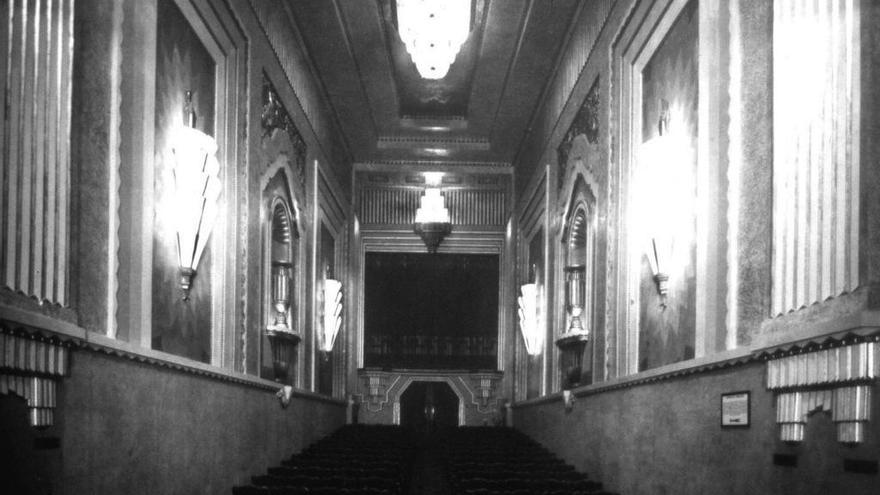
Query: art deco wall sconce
{"type": "Point", "coordinates": [332, 314]}
{"type": "Point", "coordinates": [528, 318]}
{"type": "Point", "coordinates": [196, 191]}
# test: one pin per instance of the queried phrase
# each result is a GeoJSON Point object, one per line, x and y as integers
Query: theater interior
{"type": "Point", "coordinates": [481, 247]}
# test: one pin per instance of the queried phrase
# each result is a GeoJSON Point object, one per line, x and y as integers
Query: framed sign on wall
{"type": "Point", "coordinates": [735, 410]}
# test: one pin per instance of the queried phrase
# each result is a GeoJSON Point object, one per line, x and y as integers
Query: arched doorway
{"type": "Point", "coordinates": [428, 406]}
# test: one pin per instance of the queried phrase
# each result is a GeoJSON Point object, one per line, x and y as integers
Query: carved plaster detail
{"type": "Point", "coordinates": [275, 116]}
{"type": "Point", "coordinates": [586, 122]}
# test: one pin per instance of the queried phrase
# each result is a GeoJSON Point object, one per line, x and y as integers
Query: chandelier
{"type": "Point", "coordinates": [433, 32]}
{"type": "Point", "coordinates": [432, 218]}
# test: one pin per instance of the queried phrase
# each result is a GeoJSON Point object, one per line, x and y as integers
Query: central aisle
{"type": "Point", "coordinates": [429, 471]}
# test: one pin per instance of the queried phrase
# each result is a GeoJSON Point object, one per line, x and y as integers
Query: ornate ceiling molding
{"type": "Point", "coordinates": [455, 143]}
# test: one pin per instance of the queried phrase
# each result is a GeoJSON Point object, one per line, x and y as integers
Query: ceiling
{"type": "Point", "coordinates": [478, 113]}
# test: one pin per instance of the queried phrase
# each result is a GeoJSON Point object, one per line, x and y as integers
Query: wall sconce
{"type": "Point", "coordinates": [661, 278]}
{"type": "Point", "coordinates": [332, 314]}
{"type": "Point", "coordinates": [528, 318]}
{"type": "Point", "coordinates": [663, 120]}
{"type": "Point", "coordinates": [284, 394]}
{"type": "Point", "coordinates": [665, 193]}
{"type": "Point", "coordinates": [196, 191]}
{"type": "Point", "coordinates": [432, 218]}
{"type": "Point", "coordinates": [568, 400]}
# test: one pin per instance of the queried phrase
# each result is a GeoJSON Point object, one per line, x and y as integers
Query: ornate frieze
{"type": "Point", "coordinates": [585, 122]}
{"type": "Point", "coordinates": [478, 393]}
{"type": "Point", "coordinates": [275, 116]}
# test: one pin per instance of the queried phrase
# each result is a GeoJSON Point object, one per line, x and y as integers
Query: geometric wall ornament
{"type": "Point", "coordinates": [585, 122]}
{"type": "Point", "coordinates": [275, 116]}
{"type": "Point", "coordinates": [478, 392]}
{"type": "Point", "coordinates": [31, 367]}
{"type": "Point", "coordinates": [836, 379]}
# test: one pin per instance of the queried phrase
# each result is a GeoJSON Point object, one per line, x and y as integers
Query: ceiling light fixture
{"type": "Point", "coordinates": [433, 32]}
{"type": "Point", "coordinates": [432, 218]}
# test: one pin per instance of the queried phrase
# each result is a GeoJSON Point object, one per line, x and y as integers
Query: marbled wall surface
{"type": "Point", "coordinates": [666, 438]}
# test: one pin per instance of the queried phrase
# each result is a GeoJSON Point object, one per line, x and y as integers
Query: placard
{"type": "Point", "coordinates": [735, 410]}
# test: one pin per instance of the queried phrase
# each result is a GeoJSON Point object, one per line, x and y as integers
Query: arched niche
{"type": "Point", "coordinates": [576, 332]}
{"type": "Point", "coordinates": [281, 275]}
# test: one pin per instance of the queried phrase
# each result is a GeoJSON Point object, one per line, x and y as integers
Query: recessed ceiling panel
{"type": "Point", "coordinates": [419, 96]}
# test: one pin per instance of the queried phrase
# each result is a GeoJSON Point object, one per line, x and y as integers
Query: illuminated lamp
{"type": "Point", "coordinates": [332, 314]}
{"type": "Point", "coordinates": [432, 218]}
{"type": "Point", "coordinates": [528, 318]}
{"type": "Point", "coordinates": [433, 32]}
{"type": "Point", "coordinates": [196, 192]}
{"type": "Point", "coordinates": [664, 198]}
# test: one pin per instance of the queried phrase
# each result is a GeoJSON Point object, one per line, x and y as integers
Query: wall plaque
{"type": "Point", "coordinates": [735, 409]}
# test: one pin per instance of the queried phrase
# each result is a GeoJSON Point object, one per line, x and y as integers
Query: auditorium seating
{"type": "Point", "coordinates": [378, 460]}
{"type": "Point", "coordinates": [503, 461]}
{"type": "Point", "coordinates": [358, 459]}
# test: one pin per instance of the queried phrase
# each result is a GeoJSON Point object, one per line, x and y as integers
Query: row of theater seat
{"type": "Point", "coordinates": [357, 459]}
{"type": "Point", "coordinates": [502, 461]}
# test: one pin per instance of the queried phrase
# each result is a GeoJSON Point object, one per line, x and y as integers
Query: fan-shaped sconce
{"type": "Point", "coordinates": [196, 192]}
{"type": "Point", "coordinates": [332, 314]}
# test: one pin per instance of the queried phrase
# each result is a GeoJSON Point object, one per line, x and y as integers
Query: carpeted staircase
{"type": "Point", "coordinates": [389, 460]}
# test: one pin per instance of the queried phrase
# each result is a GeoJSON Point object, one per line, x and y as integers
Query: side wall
{"type": "Point", "coordinates": [666, 438]}
{"type": "Point", "coordinates": [126, 417]}
{"type": "Point", "coordinates": [659, 431]}
{"type": "Point", "coordinates": [130, 427]}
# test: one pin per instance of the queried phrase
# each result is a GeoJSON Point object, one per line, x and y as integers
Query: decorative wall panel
{"type": "Point", "coordinates": [815, 152]}
{"type": "Point", "coordinates": [397, 206]}
{"type": "Point", "coordinates": [479, 394]}
{"type": "Point", "coordinates": [578, 50]}
{"type": "Point", "coordinates": [30, 366]}
{"type": "Point", "coordinates": [837, 379]}
{"type": "Point", "coordinates": [37, 53]}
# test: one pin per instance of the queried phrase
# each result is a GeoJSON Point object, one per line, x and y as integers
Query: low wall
{"type": "Point", "coordinates": [126, 426]}
{"type": "Point", "coordinates": [665, 437]}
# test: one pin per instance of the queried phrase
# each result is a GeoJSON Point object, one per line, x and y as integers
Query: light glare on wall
{"type": "Point", "coordinates": [664, 198]}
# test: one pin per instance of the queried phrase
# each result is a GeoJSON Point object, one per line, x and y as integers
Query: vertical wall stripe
{"type": "Point", "coordinates": [113, 161]}
{"type": "Point", "coordinates": [734, 170]}
{"type": "Point", "coordinates": [816, 158]}
{"type": "Point", "coordinates": [34, 160]}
